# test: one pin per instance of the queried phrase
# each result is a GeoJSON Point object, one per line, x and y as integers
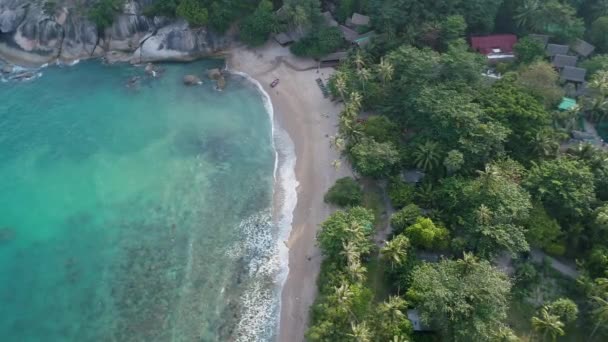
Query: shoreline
{"type": "Point", "coordinates": [309, 120]}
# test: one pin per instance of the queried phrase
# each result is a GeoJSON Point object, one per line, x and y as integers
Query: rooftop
{"type": "Point", "coordinates": [500, 44]}
{"type": "Point", "coordinates": [583, 48]}
{"type": "Point", "coordinates": [560, 61]}
{"type": "Point", "coordinates": [556, 49]}
{"type": "Point", "coordinates": [365, 38]}
{"type": "Point", "coordinates": [567, 104]}
{"type": "Point", "coordinates": [359, 20]}
{"type": "Point", "coordinates": [573, 74]}
{"type": "Point", "coordinates": [336, 56]}
{"type": "Point", "coordinates": [348, 34]}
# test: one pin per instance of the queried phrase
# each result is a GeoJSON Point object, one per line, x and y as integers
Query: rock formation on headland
{"type": "Point", "coordinates": [29, 35]}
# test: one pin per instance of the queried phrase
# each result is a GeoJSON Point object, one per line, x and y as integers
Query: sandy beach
{"type": "Point", "coordinates": [310, 120]}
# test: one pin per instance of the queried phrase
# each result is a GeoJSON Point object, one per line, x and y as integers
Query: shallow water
{"type": "Point", "coordinates": [135, 214]}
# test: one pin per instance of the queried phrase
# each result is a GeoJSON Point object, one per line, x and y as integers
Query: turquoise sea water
{"type": "Point", "coordinates": [135, 214]}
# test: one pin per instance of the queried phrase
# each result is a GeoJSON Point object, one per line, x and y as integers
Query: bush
{"type": "Point", "coordinates": [528, 50]}
{"type": "Point", "coordinates": [193, 12]}
{"type": "Point", "coordinates": [346, 192]}
{"type": "Point", "coordinates": [374, 159]}
{"type": "Point", "coordinates": [595, 64]}
{"type": "Point", "coordinates": [405, 217]}
{"type": "Point", "coordinates": [102, 13]}
{"type": "Point", "coordinates": [425, 234]}
{"type": "Point", "coordinates": [381, 129]}
{"type": "Point", "coordinates": [400, 193]}
{"type": "Point", "coordinates": [598, 34]}
{"type": "Point", "coordinates": [257, 27]}
{"type": "Point", "coordinates": [318, 43]}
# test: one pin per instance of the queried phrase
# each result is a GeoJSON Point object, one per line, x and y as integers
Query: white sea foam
{"type": "Point", "coordinates": [269, 265]}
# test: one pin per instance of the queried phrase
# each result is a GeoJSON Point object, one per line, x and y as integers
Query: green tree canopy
{"type": "Point", "coordinates": [352, 226]}
{"type": "Point", "coordinates": [529, 50]}
{"type": "Point", "coordinates": [374, 159]}
{"type": "Point", "coordinates": [565, 186]}
{"type": "Point", "coordinates": [425, 234]}
{"type": "Point", "coordinates": [466, 298]}
{"type": "Point", "coordinates": [597, 33]}
{"type": "Point", "coordinates": [345, 192]}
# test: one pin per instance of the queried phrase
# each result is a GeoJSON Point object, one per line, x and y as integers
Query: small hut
{"type": "Point", "coordinates": [573, 75]}
{"type": "Point", "coordinates": [555, 49]}
{"type": "Point", "coordinates": [561, 61]}
{"type": "Point", "coordinates": [358, 20]}
{"type": "Point", "coordinates": [583, 48]}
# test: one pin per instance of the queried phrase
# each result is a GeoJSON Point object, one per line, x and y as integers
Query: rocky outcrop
{"type": "Point", "coordinates": [32, 36]}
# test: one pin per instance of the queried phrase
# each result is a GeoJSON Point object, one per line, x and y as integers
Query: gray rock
{"type": "Point", "coordinates": [214, 74]}
{"type": "Point", "coordinates": [191, 80]}
{"type": "Point", "coordinates": [7, 69]}
{"type": "Point", "coordinates": [28, 35]}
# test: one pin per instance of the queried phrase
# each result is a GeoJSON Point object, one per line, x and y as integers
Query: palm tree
{"type": "Point", "coordinates": [360, 332]}
{"type": "Point", "coordinates": [484, 215]}
{"type": "Point", "coordinates": [544, 143]}
{"type": "Point", "coordinates": [364, 76]}
{"type": "Point", "coordinates": [394, 308]}
{"type": "Point", "coordinates": [359, 61]}
{"type": "Point", "coordinates": [528, 14]}
{"type": "Point", "coordinates": [355, 99]}
{"type": "Point", "coordinates": [386, 70]}
{"type": "Point", "coordinates": [352, 253]}
{"type": "Point", "coordinates": [427, 156]}
{"type": "Point", "coordinates": [548, 324]}
{"type": "Point", "coordinates": [505, 334]}
{"type": "Point", "coordinates": [396, 250]}
{"type": "Point", "coordinates": [599, 312]}
{"type": "Point", "coordinates": [341, 83]}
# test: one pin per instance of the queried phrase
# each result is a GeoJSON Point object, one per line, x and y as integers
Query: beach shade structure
{"type": "Point", "coordinates": [348, 34]}
{"type": "Point", "coordinates": [283, 38]}
{"type": "Point", "coordinates": [561, 61]}
{"type": "Point", "coordinates": [364, 39]}
{"type": "Point", "coordinates": [555, 49]}
{"type": "Point", "coordinates": [333, 59]}
{"type": "Point", "coordinates": [573, 74]}
{"type": "Point", "coordinates": [567, 104]}
{"type": "Point", "coordinates": [543, 39]}
{"type": "Point", "coordinates": [583, 48]}
{"type": "Point", "coordinates": [497, 47]}
{"type": "Point", "coordinates": [359, 20]}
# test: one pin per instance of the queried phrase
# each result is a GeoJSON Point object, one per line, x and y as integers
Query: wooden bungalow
{"type": "Point", "coordinates": [583, 48]}
{"type": "Point", "coordinates": [561, 61]}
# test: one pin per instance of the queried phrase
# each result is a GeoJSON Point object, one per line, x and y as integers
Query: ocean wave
{"type": "Point", "coordinates": [269, 267]}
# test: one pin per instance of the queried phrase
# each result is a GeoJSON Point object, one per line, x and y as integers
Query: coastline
{"type": "Point", "coordinates": [309, 120]}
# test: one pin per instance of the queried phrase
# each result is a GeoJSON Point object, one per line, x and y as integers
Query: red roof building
{"type": "Point", "coordinates": [496, 46]}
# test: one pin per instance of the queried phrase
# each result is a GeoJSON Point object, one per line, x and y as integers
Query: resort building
{"type": "Point", "coordinates": [495, 47]}
{"type": "Point", "coordinates": [553, 50]}
{"type": "Point", "coordinates": [582, 48]}
{"type": "Point", "coordinates": [561, 61]}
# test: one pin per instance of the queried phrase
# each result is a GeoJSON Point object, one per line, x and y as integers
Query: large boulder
{"type": "Point", "coordinates": [7, 69]}
{"type": "Point", "coordinates": [191, 80]}
{"type": "Point", "coordinates": [214, 74]}
{"type": "Point", "coordinates": [30, 35]}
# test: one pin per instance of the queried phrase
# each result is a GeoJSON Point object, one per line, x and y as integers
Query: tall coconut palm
{"type": "Point", "coordinates": [395, 251]}
{"type": "Point", "coordinates": [528, 14]}
{"type": "Point", "coordinates": [358, 60]}
{"type": "Point", "coordinates": [341, 84]}
{"type": "Point", "coordinates": [547, 324]}
{"type": "Point", "coordinates": [385, 70]}
{"type": "Point", "coordinates": [544, 143]}
{"type": "Point", "coordinates": [360, 332]}
{"type": "Point", "coordinates": [505, 334]}
{"type": "Point", "coordinates": [599, 312]}
{"type": "Point", "coordinates": [394, 307]}
{"type": "Point", "coordinates": [483, 215]}
{"type": "Point", "coordinates": [427, 156]}
{"type": "Point", "coordinates": [355, 99]}
{"type": "Point", "coordinates": [364, 76]}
